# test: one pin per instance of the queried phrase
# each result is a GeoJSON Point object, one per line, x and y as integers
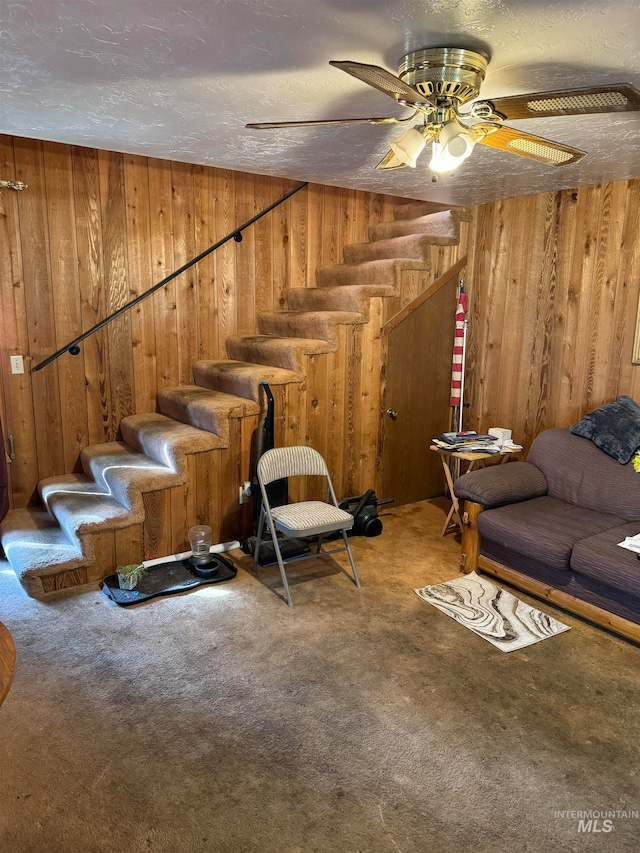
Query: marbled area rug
{"type": "Point", "coordinates": [491, 612]}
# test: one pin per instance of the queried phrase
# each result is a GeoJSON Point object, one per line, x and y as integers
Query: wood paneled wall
{"type": "Point", "coordinates": [553, 281]}
{"type": "Point", "coordinates": [95, 229]}
{"type": "Point", "coordinates": [554, 284]}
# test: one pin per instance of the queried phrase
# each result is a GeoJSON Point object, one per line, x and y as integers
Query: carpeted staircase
{"type": "Point", "coordinates": [183, 464]}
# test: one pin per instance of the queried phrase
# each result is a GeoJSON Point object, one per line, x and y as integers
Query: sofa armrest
{"type": "Point", "coordinates": [497, 485]}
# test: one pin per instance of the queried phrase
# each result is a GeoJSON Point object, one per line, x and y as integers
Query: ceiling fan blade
{"type": "Point", "coordinates": [270, 125]}
{"type": "Point", "coordinates": [390, 161]}
{"type": "Point", "coordinates": [590, 100]}
{"type": "Point", "coordinates": [526, 145]}
{"type": "Point", "coordinates": [382, 80]}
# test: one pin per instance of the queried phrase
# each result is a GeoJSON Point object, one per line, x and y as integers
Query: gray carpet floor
{"type": "Point", "coordinates": [357, 721]}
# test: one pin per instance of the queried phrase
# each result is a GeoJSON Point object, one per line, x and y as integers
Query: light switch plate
{"type": "Point", "coordinates": [17, 364]}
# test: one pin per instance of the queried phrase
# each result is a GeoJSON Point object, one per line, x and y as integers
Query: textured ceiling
{"type": "Point", "coordinates": [179, 80]}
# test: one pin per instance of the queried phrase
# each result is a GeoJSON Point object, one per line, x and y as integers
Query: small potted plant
{"type": "Point", "coordinates": [128, 576]}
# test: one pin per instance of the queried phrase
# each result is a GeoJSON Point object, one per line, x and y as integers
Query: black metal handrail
{"type": "Point", "coordinates": [73, 347]}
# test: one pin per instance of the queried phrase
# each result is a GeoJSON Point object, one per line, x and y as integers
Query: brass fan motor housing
{"type": "Point", "coordinates": [445, 73]}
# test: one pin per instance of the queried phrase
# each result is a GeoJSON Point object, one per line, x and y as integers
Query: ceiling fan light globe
{"type": "Point", "coordinates": [456, 140]}
{"type": "Point", "coordinates": [409, 147]}
{"type": "Point", "coordinates": [460, 146]}
{"type": "Point", "coordinates": [442, 160]}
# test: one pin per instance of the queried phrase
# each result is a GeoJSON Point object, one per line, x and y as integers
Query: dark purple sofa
{"type": "Point", "coordinates": [552, 525]}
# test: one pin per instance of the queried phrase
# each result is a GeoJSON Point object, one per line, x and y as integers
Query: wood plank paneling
{"type": "Point", "coordinates": [298, 245]}
{"type": "Point", "coordinates": [128, 545]}
{"type": "Point", "coordinates": [67, 304]}
{"type": "Point", "coordinates": [226, 297]}
{"type": "Point", "coordinates": [280, 235]}
{"type": "Point", "coordinates": [553, 283]}
{"type": "Point", "coordinates": [17, 403]}
{"type": "Point", "coordinates": [315, 203]}
{"type": "Point", "coordinates": [184, 248]}
{"type": "Point", "coordinates": [164, 300]}
{"type": "Point", "coordinates": [245, 254]}
{"type": "Point", "coordinates": [95, 350]}
{"type": "Point", "coordinates": [116, 285]}
{"type": "Point", "coordinates": [141, 278]}
{"type": "Point", "coordinates": [40, 309]}
{"type": "Point", "coordinates": [105, 557]}
{"type": "Point", "coordinates": [205, 270]}
{"type": "Point", "coordinates": [156, 529]}
{"type": "Point", "coordinates": [264, 195]}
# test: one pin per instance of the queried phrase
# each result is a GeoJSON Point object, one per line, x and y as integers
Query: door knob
{"type": "Point", "coordinates": [391, 413]}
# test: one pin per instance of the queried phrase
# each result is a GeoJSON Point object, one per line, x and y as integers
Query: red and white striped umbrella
{"type": "Point", "coordinates": [457, 367]}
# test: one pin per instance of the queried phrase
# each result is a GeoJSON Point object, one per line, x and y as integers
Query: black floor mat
{"type": "Point", "coordinates": [166, 579]}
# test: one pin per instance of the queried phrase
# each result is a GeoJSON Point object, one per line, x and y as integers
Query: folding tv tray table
{"type": "Point", "coordinates": [454, 519]}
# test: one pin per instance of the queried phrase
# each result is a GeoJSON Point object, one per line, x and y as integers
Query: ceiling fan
{"type": "Point", "coordinates": [437, 84]}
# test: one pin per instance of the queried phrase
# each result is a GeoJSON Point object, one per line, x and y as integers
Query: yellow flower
{"type": "Point", "coordinates": [636, 461]}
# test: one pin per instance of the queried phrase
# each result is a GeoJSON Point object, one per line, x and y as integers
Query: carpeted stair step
{"type": "Point", "coordinates": [205, 409]}
{"type": "Point", "coordinates": [34, 544]}
{"type": "Point", "coordinates": [356, 298]}
{"type": "Point", "coordinates": [166, 440]}
{"type": "Point", "coordinates": [308, 324]}
{"type": "Point", "coordinates": [80, 505]}
{"type": "Point", "coordinates": [437, 225]}
{"type": "Point", "coordinates": [288, 353]}
{"type": "Point", "coordinates": [124, 473]}
{"type": "Point", "coordinates": [412, 246]}
{"type": "Point", "coordinates": [106, 497]}
{"type": "Point", "coordinates": [383, 271]}
{"type": "Point", "coordinates": [415, 209]}
{"type": "Point", "coordinates": [241, 378]}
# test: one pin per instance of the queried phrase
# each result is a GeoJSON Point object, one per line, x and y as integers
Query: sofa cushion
{"type": "Point", "coordinates": [544, 528]}
{"type": "Point", "coordinates": [599, 557]}
{"type": "Point", "coordinates": [496, 485]}
{"type": "Point", "coordinates": [578, 473]}
{"type": "Point", "coordinates": [614, 428]}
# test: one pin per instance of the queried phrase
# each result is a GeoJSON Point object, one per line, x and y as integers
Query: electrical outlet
{"type": "Point", "coordinates": [17, 364]}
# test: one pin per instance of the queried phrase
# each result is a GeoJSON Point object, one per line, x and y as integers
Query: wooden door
{"type": "Point", "coordinates": [417, 387]}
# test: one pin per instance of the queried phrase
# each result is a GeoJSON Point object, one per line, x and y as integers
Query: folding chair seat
{"type": "Point", "coordinates": [304, 519]}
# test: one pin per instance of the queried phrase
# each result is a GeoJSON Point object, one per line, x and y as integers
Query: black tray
{"type": "Point", "coordinates": [166, 579]}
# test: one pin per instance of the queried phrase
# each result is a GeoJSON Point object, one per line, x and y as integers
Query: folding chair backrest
{"type": "Point", "coordinates": [290, 462]}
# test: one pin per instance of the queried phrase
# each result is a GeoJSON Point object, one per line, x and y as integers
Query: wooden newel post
{"type": "Point", "coordinates": [470, 537]}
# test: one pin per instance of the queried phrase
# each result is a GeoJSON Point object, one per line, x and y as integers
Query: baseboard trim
{"type": "Point", "coordinates": [590, 612]}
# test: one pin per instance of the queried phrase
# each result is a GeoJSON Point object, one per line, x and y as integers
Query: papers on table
{"type": "Point", "coordinates": [466, 447]}
{"type": "Point", "coordinates": [470, 442]}
{"type": "Point", "coordinates": [631, 543]}
{"type": "Point", "coordinates": [467, 441]}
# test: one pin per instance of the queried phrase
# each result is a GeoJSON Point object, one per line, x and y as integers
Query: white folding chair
{"type": "Point", "coordinates": [302, 520]}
